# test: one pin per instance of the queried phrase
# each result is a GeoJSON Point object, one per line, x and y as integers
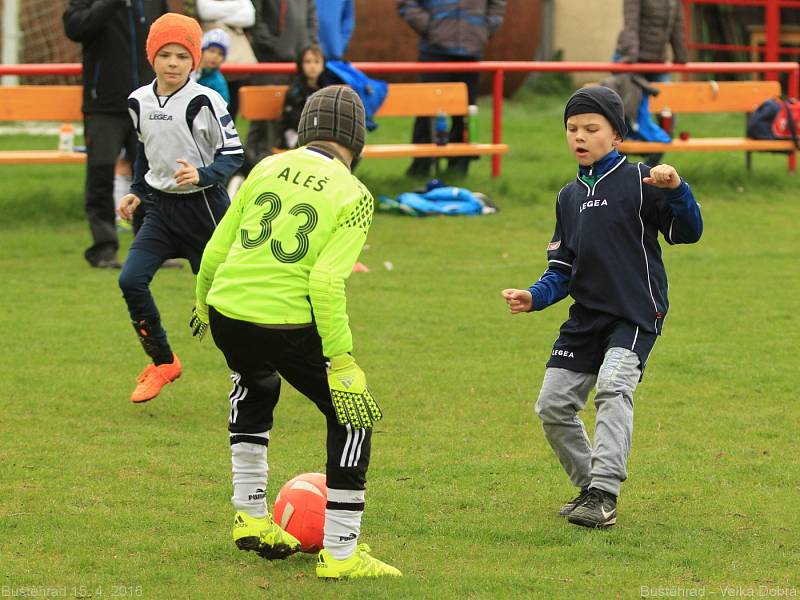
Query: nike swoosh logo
{"type": "Point", "coordinates": [606, 515]}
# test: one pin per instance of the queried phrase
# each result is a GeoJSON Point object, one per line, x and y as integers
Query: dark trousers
{"type": "Point", "coordinates": [175, 226]}
{"type": "Point", "coordinates": [106, 135]}
{"type": "Point", "coordinates": [259, 357]}
{"type": "Point", "coordinates": [262, 136]}
{"type": "Point", "coordinates": [422, 125]}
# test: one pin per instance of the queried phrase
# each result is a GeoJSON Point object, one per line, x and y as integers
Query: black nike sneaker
{"type": "Point", "coordinates": [567, 508]}
{"type": "Point", "coordinates": [598, 510]}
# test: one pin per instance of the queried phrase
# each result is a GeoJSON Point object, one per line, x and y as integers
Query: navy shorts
{"type": "Point", "coordinates": [587, 335]}
{"type": "Point", "coordinates": [180, 225]}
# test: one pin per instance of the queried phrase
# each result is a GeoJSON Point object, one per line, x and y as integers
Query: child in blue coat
{"type": "Point", "coordinates": [215, 48]}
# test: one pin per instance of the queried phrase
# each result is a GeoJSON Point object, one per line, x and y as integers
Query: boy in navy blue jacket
{"type": "Point", "coordinates": [605, 254]}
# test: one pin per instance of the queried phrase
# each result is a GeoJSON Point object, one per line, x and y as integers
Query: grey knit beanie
{"type": "Point", "coordinates": [336, 114]}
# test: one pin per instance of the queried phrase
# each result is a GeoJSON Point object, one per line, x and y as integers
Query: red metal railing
{"type": "Point", "coordinates": [498, 68]}
{"type": "Point", "coordinates": [772, 26]}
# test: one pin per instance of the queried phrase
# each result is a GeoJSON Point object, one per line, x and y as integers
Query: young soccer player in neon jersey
{"type": "Point", "coordinates": [271, 284]}
{"type": "Point", "coordinates": [605, 254]}
{"type": "Point", "coordinates": [188, 147]}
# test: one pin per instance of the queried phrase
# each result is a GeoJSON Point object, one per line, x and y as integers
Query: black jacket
{"type": "Point", "coordinates": [113, 35]}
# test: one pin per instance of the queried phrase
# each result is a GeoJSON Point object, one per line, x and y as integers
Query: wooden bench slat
{"type": "Point", "coordinates": [712, 96]}
{"type": "Point", "coordinates": [261, 102]}
{"type": "Point", "coordinates": [41, 103]}
{"type": "Point", "coordinates": [265, 102]}
{"type": "Point", "coordinates": [424, 100]}
{"type": "Point", "coordinates": [18, 157]}
{"type": "Point", "coordinates": [706, 145]}
{"type": "Point", "coordinates": [40, 157]}
{"type": "Point", "coordinates": [432, 150]}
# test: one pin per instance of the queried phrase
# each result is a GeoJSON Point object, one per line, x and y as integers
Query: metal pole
{"type": "Point", "coordinates": [10, 38]}
{"type": "Point", "coordinates": [497, 119]}
{"type": "Point", "coordinates": [773, 31]}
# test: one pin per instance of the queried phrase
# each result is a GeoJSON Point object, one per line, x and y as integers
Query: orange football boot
{"type": "Point", "coordinates": [155, 377]}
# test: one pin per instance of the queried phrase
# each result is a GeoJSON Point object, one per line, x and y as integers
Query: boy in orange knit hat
{"type": "Point", "coordinates": [188, 147]}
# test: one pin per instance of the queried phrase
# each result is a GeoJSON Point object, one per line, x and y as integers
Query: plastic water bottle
{"type": "Point", "coordinates": [472, 123]}
{"type": "Point", "coordinates": [66, 137]}
{"type": "Point", "coordinates": [441, 129]}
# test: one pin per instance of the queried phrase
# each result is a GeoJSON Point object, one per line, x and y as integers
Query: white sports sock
{"type": "Point", "coordinates": [342, 527]}
{"type": "Point", "coordinates": [122, 185]}
{"type": "Point", "coordinates": [250, 471]}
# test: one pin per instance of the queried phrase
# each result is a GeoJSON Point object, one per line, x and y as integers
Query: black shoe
{"type": "Point", "coordinates": [416, 171]}
{"type": "Point", "coordinates": [107, 263]}
{"type": "Point", "coordinates": [598, 510]}
{"type": "Point", "coordinates": [570, 506]}
{"type": "Point", "coordinates": [171, 263]}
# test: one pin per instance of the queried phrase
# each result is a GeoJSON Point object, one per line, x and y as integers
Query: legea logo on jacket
{"type": "Point", "coordinates": [593, 203]}
{"type": "Point", "coordinates": [156, 116]}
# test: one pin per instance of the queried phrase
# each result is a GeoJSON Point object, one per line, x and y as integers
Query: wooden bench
{"type": "Point", "coordinates": [60, 103]}
{"type": "Point", "coordinates": [713, 97]}
{"type": "Point", "coordinates": [402, 100]}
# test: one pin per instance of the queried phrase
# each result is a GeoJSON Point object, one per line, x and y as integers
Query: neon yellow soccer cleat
{"type": "Point", "coordinates": [359, 564]}
{"type": "Point", "coordinates": [263, 536]}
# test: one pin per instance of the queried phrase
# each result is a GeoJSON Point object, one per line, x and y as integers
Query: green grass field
{"type": "Point", "coordinates": [102, 498]}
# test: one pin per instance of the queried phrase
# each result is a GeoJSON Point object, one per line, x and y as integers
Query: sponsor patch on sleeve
{"type": "Point", "coordinates": [554, 245]}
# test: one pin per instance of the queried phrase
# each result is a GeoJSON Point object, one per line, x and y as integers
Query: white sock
{"type": "Point", "coordinates": [122, 185]}
{"type": "Point", "coordinates": [342, 527]}
{"type": "Point", "coordinates": [250, 471]}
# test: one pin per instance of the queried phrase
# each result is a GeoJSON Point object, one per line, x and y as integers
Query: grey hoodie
{"type": "Point", "coordinates": [283, 29]}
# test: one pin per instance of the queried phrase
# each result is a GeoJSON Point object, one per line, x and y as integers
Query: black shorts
{"type": "Point", "coordinates": [257, 355]}
{"type": "Point", "coordinates": [180, 225]}
{"type": "Point", "coordinates": [587, 335]}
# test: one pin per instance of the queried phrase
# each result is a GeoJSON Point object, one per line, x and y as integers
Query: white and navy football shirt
{"type": "Point", "coordinates": [192, 123]}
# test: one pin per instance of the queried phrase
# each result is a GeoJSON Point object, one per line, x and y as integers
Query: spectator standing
{"type": "Point", "coordinates": [337, 19]}
{"type": "Point", "coordinates": [112, 34]}
{"type": "Point", "coordinates": [648, 27]}
{"type": "Point", "coordinates": [450, 32]}
{"type": "Point", "coordinates": [233, 17]}
{"type": "Point", "coordinates": [283, 29]}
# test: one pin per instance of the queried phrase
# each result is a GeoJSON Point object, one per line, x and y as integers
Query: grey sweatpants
{"type": "Point", "coordinates": [564, 393]}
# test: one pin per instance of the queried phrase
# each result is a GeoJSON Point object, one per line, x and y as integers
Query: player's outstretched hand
{"type": "Point", "coordinates": [664, 177]}
{"type": "Point", "coordinates": [127, 206]}
{"type": "Point", "coordinates": [187, 174]}
{"type": "Point", "coordinates": [352, 401]}
{"type": "Point", "coordinates": [199, 321]}
{"type": "Point", "coordinates": [518, 301]}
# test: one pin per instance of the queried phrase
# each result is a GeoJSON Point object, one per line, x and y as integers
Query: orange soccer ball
{"type": "Point", "coordinates": [300, 509]}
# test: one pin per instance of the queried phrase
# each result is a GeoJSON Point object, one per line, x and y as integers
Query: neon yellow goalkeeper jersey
{"type": "Point", "coordinates": [286, 245]}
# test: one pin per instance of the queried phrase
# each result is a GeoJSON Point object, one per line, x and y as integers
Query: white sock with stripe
{"type": "Point", "coordinates": [343, 522]}
{"type": "Point", "coordinates": [249, 462]}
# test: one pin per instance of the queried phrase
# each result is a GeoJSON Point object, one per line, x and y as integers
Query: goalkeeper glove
{"type": "Point", "coordinates": [352, 401]}
{"type": "Point", "coordinates": [199, 321]}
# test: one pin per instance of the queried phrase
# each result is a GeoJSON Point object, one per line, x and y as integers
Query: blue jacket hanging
{"type": "Point", "coordinates": [371, 91]}
{"type": "Point", "coordinates": [647, 130]}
